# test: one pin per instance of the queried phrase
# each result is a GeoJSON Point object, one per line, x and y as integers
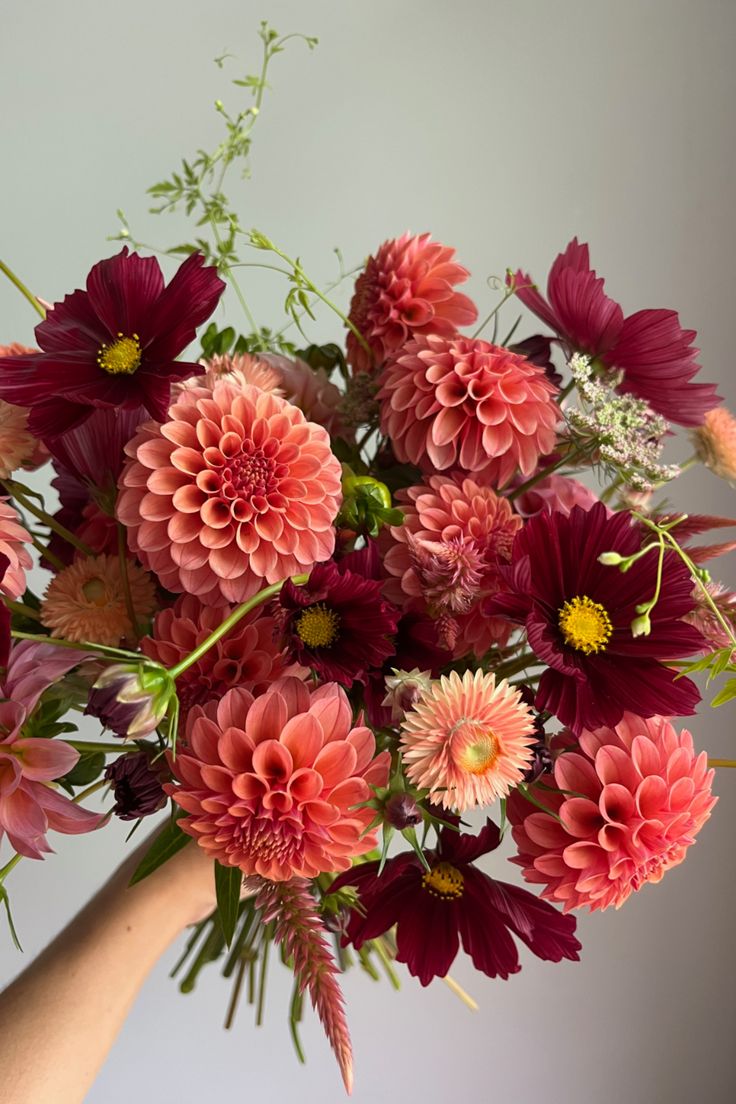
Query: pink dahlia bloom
{"type": "Point", "coordinates": [271, 784]}
{"type": "Point", "coordinates": [240, 369]}
{"type": "Point", "coordinates": [237, 489]}
{"type": "Point", "coordinates": [458, 402]}
{"type": "Point", "coordinates": [650, 348]}
{"type": "Point", "coordinates": [29, 805]}
{"type": "Point", "coordinates": [406, 289]}
{"type": "Point", "coordinates": [555, 494]}
{"type": "Point", "coordinates": [639, 795]}
{"type": "Point", "coordinates": [248, 656]}
{"type": "Point", "coordinates": [444, 557]}
{"type": "Point", "coordinates": [309, 389]}
{"type": "Point", "coordinates": [13, 541]}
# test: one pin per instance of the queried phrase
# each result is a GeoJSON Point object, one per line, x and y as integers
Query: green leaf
{"type": "Point", "coordinates": [726, 694]}
{"type": "Point", "coordinates": [13, 933]}
{"type": "Point", "coordinates": [164, 847]}
{"type": "Point", "coordinates": [228, 883]}
{"type": "Point", "coordinates": [87, 769]}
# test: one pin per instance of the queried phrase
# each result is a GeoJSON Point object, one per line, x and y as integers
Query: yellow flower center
{"type": "Point", "coordinates": [585, 624]}
{"type": "Point", "coordinates": [318, 626]}
{"type": "Point", "coordinates": [474, 749]}
{"type": "Point", "coordinates": [444, 881]}
{"type": "Point", "coordinates": [122, 357]}
{"type": "Point", "coordinates": [94, 591]}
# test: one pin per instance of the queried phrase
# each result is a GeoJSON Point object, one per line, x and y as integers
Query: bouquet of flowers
{"type": "Point", "coordinates": [328, 599]}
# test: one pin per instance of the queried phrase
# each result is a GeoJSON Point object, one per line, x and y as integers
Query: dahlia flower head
{"type": "Point", "coordinates": [271, 784]}
{"type": "Point", "coordinates": [555, 494]}
{"type": "Point", "coordinates": [444, 557]}
{"type": "Point", "coordinates": [460, 402]}
{"type": "Point", "coordinates": [13, 541]}
{"type": "Point", "coordinates": [237, 489]}
{"type": "Point", "coordinates": [406, 289]}
{"type": "Point", "coordinates": [638, 794]}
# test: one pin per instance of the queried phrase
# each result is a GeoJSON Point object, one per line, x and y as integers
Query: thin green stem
{"type": "Point", "coordinates": [22, 610]}
{"type": "Point", "coordinates": [99, 745]}
{"type": "Point", "coordinates": [78, 798]}
{"type": "Point", "coordinates": [8, 867]}
{"type": "Point", "coordinates": [508, 292]}
{"type": "Point", "coordinates": [267, 940]}
{"type": "Point", "coordinates": [237, 615]}
{"type": "Point", "coordinates": [125, 576]}
{"type": "Point", "coordinates": [537, 478]}
{"type": "Point", "coordinates": [80, 646]}
{"type": "Point", "coordinates": [46, 554]}
{"type": "Point", "coordinates": [18, 283]}
{"type": "Point", "coordinates": [235, 996]}
{"type": "Point", "coordinates": [16, 491]}
{"type": "Point", "coordinates": [514, 666]}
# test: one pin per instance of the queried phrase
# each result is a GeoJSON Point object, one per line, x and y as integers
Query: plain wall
{"type": "Point", "coordinates": [504, 129]}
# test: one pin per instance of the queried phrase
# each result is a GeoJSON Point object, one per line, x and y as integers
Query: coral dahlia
{"type": "Point", "coordinates": [13, 540]}
{"type": "Point", "coordinates": [86, 601]}
{"type": "Point", "coordinates": [444, 557]}
{"type": "Point", "coordinates": [459, 402]}
{"type": "Point", "coordinates": [467, 740]}
{"type": "Point", "coordinates": [715, 442]}
{"type": "Point", "coordinates": [274, 785]}
{"type": "Point", "coordinates": [406, 289]}
{"type": "Point", "coordinates": [235, 490]}
{"type": "Point", "coordinates": [640, 796]}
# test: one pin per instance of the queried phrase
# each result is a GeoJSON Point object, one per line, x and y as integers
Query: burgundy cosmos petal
{"type": "Point", "coordinates": [653, 352]}
{"type": "Point", "coordinates": [578, 615]}
{"type": "Point", "coordinates": [113, 345]}
{"type": "Point", "coordinates": [434, 911]}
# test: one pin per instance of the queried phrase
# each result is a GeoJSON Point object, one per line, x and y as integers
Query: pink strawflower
{"type": "Point", "coordinates": [467, 740]}
{"type": "Point", "coordinates": [705, 620]}
{"type": "Point", "coordinates": [715, 442]}
{"type": "Point", "coordinates": [555, 494]}
{"type": "Point", "coordinates": [444, 556]}
{"type": "Point", "coordinates": [13, 540]}
{"type": "Point", "coordinates": [639, 795]}
{"type": "Point", "coordinates": [29, 805]}
{"type": "Point", "coordinates": [458, 402]}
{"type": "Point", "coordinates": [249, 656]}
{"type": "Point", "coordinates": [237, 489]}
{"type": "Point", "coordinates": [87, 600]}
{"type": "Point", "coordinates": [406, 289]}
{"type": "Point", "coordinates": [243, 368]}
{"type": "Point", "coordinates": [272, 784]}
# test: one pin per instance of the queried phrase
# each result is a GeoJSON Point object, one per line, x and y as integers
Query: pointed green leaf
{"type": "Point", "coordinates": [228, 883]}
{"type": "Point", "coordinates": [163, 848]}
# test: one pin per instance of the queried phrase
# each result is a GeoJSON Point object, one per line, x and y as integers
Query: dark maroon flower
{"type": "Point", "coordinates": [578, 615]}
{"type": "Point", "coordinates": [94, 451]}
{"type": "Point", "coordinates": [434, 911]}
{"type": "Point", "coordinates": [137, 785]}
{"type": "Point", "coordinates": [416, 647]}
{"type": "Point", "coordinates": [538, 350]}
{"type": "Point", "coordinates": [338, 623]}
{"type": "Point", "coordinates": [401, 811]}
{"type": "Point", "coordinates": [113, 345]}
{"type": "Point", "coordinates": [650, 348]}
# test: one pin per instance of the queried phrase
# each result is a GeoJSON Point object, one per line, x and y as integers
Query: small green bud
{"type": "Point", "coordinates": [642, 625]}
{"type": "Point", "coordinates": [611, 559]}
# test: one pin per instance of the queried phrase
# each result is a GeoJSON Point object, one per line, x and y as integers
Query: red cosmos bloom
{"type": "Point", "coordinates": [650, 348]}
{"type": "Point", "coordinates": [578, 613]}
{"type": "Point", "coordinates": [406, 289]}
{"type": "Point", "coordinates": [433, 911]}
{"type": "Point", "coordinates": [113, 345]}
{"type": "Point", "coordinates": [338, 623]}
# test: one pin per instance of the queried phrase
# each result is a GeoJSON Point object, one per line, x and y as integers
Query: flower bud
{"type": "Point", "coordinates": [610, 559]}
{"type": "Point", "coordinates": [131, 699]}
{"type": "Point", "coordinates": [641, 625]}
{"type": "Point", "coordinates": [137, 785]}
{"type": "Point", "coordinates": [404, 689]}
{"type": "Point", "coordinates": [401, 811]}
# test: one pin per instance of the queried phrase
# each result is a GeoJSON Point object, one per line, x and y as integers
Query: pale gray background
{"type": "Point", "coordinates": [504, 128]}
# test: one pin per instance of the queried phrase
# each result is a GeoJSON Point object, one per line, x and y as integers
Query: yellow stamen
{"type": "Point", "coordinates": [94, 591]}
{"type": "Point", "coordinates": [123, 357]}
{"type": "Point", "coordinates": [318, 626]}
{"type": "Point", "coordinates": [478, 756]}
{"type": "Point", "coordinates": [585, 625]}
{"type": "Point", "coordinates": [444, 881]}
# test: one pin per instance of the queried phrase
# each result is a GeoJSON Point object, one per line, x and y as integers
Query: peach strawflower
{"type": "Point", "coordinates": [237, 489]}
{"type": "Point", "coordinates": [715, 442]}
{"type": "Point", "coordinates": [458, 402]}
{"type": "Point", "coordinates": [17, 445]}
{"type": "Point", "coordinates": [271, 784]}
{"type": "Point", "coordinates": [86, 601]}
{"type": "Point", "coordinates": [444, 556]}
{"type": "Point", "coordinates": [639, 796]}
{"type": "Point", "coordinates": [13, 540]}
{"type": "Point", "coordinates": [467, 740]}
{"type": "Point", "coordinates": [407, 288]}
{"type": "Point", "coordinates": [249, 656]}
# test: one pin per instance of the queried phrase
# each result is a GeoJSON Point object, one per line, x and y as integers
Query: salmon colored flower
{"type": "Point", "coordinates": [406, 289]}
{"type": "Point", "coordinates": [459, 402]}
{"type": "Point", "coordinates": [13, 540]}
{"type": "Point", "coordinates": [243, 368]}
{"type": "Point", "coordinates": [467, 740]}
{"type": "Point", "coordinates": [275, 785]}
{"type": "Point", "coordinates": [17, 444]}
{"type": "Point", "coordinates": [235, 490]}
{"type": "Point", "coordinates": [637, 796]}
{"type": "Point", "coordinates": [86, 601]}
{"type": "Point", "coordinates": [715, 442]}
{"type": "Point", "coordinates": [555, 494]}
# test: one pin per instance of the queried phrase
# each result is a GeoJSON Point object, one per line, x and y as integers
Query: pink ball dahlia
{"type": "Point", "coordinates": [248, 657]}
{"type": "Point", "coordinates": [640, 796]}
{"type": "Point", "coordinates": [407, 288]}
{"type": "Point", "coordinates": [444, 556]}
{"type": "Point", "coordinates": [467, 740]}
{"type": "Point", "coordinates": [271, 784]}
{"type": "Point", "coordinates": [555, 494]}
{"type": "Point", "coordinates": [237, 489]}
{"type": "Point", "coordinates": [13, 540]}
{"type": "Point", "coordinates": [458, 402]}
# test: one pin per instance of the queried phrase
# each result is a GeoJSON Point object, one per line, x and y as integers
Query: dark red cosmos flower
{"type": "Point", "coordinates": [113, 345]}
{"type": "Point", "coordinates": [337, 623]}
{"type": "Point", "coordinates": [578, 613]}
{"type": "Point", "coordinates": [650, 348]}
{"type": "Point", "coordinates": [433, 911]}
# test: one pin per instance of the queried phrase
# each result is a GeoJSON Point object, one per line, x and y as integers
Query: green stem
{"type": "Point", "coordinates": [508, 292]}
{"type": "Point", "coordinates": [235, 997]}
{"type": "Point", "coordinates": [16, 491]}
{"type": "Point", "coordinates": [267, 939]}
{"type": "Point", "coordinates": [22, 610]}
{"type": "Point", "coordinates": [80, 646]}
{"type": "Point", "coordinates": [78, 798]}
{"type": "Point", "coordinates": [98, 745]}
{"type": "Point", "coordinates": [514, 666]}
{"type": "Point", "coordinates": [540, 475]}
{"type": "Point", "coordinates": [125, 576]}
{"type": "Point", "coordinates": [8, 867]}
{"type": "Point", "coordinates": [46, 554]}
{"type": "Point", "coordinates": [22, 289]}
{"type": "Point", "coordinates": [237, 615]}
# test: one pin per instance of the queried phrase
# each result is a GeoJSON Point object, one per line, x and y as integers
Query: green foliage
{"type": "Point", "coordinates": [163, 848]}
{"type": "Point", "coordinates": [87, 770]}
{"type": "Point", "coordinates": [216, 342]}
{"type": "Point", "coordinates": [228, 883]}
{"type": "Point", "coordinates": [46, 720]}
{"type": "Point", "coordinates": [327, 357]}
{"type": "Point", "coordinates": [6, 902]}
{"type": "Point", "coordinates": [366, 506]}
